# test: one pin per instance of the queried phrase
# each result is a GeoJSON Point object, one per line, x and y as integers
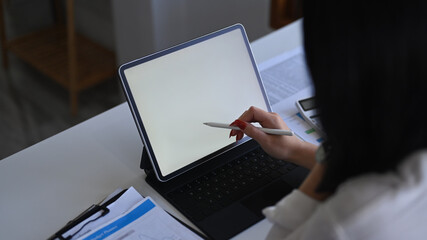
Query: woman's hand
{"type": "Point", "coordinates": [288, 148]}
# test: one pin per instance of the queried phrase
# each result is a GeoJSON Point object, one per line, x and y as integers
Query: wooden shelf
{"type": "Point", "coordinates": [67, 57]}
{"type": "Point", "coordinates": [47, 51]}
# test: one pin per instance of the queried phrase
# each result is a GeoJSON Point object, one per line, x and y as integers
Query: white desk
{"type": "Point", "coordinates": [47, 184]}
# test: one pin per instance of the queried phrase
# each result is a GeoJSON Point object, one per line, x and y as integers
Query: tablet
{"type": "Point", "coordinates": [171, 93]}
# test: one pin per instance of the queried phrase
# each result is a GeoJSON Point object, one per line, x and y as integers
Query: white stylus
{"type": "Point", "coordinates": [266, 130]}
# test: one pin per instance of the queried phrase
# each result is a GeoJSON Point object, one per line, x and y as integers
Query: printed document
{"type": "Point", "coordinates": [145, 221]}
{"type": "Point", "coordinates": [121, 205]}
{"type": "Point", "coordinates": [286, 80]}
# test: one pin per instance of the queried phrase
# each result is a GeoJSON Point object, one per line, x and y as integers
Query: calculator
{"type": "Point", "coordinates": [309, 111]}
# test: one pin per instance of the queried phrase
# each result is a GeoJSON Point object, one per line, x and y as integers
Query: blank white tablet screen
{"type": "Point", "coordinates": [212, 81]}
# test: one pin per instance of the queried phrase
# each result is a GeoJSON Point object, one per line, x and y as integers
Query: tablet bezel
{"type": "Point", "coordinates": [141, 129]}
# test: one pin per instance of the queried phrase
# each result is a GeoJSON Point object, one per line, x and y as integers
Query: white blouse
{"type": "Point", "coordinates": [372, 206]}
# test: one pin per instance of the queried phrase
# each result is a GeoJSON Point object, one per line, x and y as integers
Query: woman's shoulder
{"type": "Point", "coordinates": [410, 174]}
{"type": "Point", "coordinates": [383, 204]}
{"type": "Point", "coordinates": [412, 170]}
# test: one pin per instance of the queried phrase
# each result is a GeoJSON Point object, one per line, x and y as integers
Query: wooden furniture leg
{"type": "Point", "coordinates": [3, 37]}
{"type": "Point", "coordinates": [56, 5]}
{"type": "Point", "coordinates": [72, 58]}
{"type": "Point", "coordinates": [283, 12]}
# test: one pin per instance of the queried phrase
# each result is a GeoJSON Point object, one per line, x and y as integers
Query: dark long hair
{"type": "Point", "coordinates": [368, 63]}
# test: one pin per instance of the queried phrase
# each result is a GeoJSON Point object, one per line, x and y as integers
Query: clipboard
{"type": "Point", "coordinates": [64, 234]}
{"type": "Point", "coordinates": [84, 216]}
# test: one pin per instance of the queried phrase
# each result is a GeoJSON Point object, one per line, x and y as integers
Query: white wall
{"type": "Point", "coordinates": [145, 26]}
{"type": "Point", "coordinates": [135, 28]}
{"type": "Point", "coordinates": [93, 19]}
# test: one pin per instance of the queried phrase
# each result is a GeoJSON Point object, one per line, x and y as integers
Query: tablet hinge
{"type": "Point", "coordinates": [145, 162]}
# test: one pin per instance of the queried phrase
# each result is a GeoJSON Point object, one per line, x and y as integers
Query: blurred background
{"type": "Point", "coordinates": [59, 57]}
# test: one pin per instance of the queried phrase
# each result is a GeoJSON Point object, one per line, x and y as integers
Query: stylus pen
{"type": "Point", "coordinates": [266, 130]}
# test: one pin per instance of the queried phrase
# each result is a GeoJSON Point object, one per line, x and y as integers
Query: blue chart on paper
{"type": "Point", "coordinates": [122, 222]}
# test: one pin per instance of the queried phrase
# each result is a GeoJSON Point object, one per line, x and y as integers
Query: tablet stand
{"type": "Point", "coordinates": [145, 162]}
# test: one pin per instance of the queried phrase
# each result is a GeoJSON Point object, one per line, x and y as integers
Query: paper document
{"type": "Point", "coordinates": [125, 214]}
{"type": "Point", "coordinates": [285, 75]}
{"type": "Point", "coordinates": [120, 206]}
{"type": "Point", "coordinates": [145, 221]}
{"type": "Point", "coordinates": [286, 80]}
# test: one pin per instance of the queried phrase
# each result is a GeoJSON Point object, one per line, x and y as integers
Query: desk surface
{"type": "Point", "coordinates": [45, 185]}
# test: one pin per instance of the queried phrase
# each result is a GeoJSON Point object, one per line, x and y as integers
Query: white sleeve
{"type": "Point", "coordinates": [289, 214]}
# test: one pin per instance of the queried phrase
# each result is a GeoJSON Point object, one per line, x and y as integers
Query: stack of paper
{"type": "Point", "coordinates": [287, 80]}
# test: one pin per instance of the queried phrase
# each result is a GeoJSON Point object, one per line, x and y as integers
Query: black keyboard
{"type": "Point", "coordinates": [228, 183]}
